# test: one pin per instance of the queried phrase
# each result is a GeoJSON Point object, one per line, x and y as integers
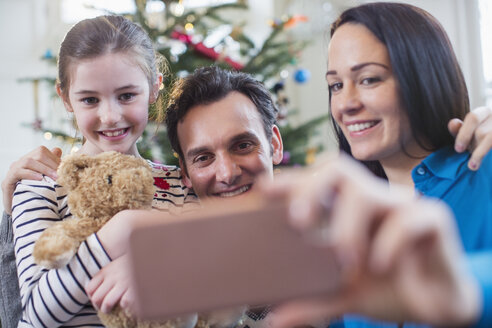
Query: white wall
{"type": "Point", "coordinates": [25, 33]}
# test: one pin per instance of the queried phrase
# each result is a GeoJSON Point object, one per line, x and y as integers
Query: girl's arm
{"type": "Point", "coordinates": [51, 298]}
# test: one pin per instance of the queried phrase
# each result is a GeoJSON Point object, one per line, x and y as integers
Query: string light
{"type": "Point", "coordinates": [189, 27]}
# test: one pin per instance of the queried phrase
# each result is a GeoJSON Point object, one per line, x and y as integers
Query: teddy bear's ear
{"type": "Point", "coordinates": [71, 168]}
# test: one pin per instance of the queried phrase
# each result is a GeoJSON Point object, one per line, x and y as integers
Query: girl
{"type": "Point", "coordinates": [394, 83]}
{"type": "Point", "coordinates": [107, 77]}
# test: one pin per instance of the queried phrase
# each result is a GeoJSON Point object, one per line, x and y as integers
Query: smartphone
{"type": "Point", "coordinates": [230, 255]}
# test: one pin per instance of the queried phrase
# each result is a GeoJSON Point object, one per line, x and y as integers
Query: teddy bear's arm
{"type": "Point", "coordinates": [59, 243]}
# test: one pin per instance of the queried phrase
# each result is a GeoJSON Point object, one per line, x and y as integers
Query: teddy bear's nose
{"type": "Point", "coordinates": [110, 179]}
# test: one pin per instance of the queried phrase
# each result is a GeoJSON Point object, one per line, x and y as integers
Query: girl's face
{"type": "Point", "coordinates": [364, 95]}
{"type": "Point", "coordinates": [109, 96]}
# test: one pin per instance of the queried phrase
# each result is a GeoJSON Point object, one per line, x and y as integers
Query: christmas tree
{"type": "Point", "coordinates": [194, 37]}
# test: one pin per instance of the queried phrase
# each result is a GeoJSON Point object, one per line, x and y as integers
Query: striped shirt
{"type": "Point", "coordinates": [56, 297]}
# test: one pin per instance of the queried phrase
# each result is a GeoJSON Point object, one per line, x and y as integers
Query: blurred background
{"type": "Point", "coordinates": [282, 42]}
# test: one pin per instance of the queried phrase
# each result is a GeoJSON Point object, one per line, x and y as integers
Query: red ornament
{"type": "Point", "coordinates": [204, 50]}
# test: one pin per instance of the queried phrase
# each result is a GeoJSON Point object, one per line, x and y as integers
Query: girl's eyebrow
{"type": "Point", "coordinates": [80, 92]}
{"type": "Point", "coordinates": [129, 86]}
{"type": "Point", "coordinates": [358, 67]}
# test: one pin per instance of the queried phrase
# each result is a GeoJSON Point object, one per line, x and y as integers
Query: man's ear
{"type": "Point", "coordinates": [66, 102]}
{"type": "Point", "coordinates": [277, 146]}
{"type": "Point", "coordinates": [184, 174]}
{"type": "Point", "coordinates": [154, 93]}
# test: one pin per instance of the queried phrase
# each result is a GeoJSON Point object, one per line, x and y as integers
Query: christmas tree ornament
{"type": "Point", "coordinates": [48, 54]}
{"type": "Point", "coordinates": [302, 75]}
{"type": "Point", "coordinates": [311, 155]}
{"type": "Point", "coordinates": [294, 20]}
{"type": "Point", "coordinates": [286, 158]}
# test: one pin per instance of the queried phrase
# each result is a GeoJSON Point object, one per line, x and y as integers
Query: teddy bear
{"type": "Point", "coordinates": [98, 187]}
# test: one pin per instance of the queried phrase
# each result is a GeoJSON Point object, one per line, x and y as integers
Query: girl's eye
{"type": "Point", "coordinates": [334, 87]}
{"type": "Point", "coordinates": [127, 96]}
{"type": "Point", "coordinates": [90, 100]}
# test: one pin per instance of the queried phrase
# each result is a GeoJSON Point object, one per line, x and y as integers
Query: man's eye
{"type": "Point", "coordinates": [90, 100]}
{"type": "Point", "coordinates": [127, 96]}
{"type": "Point", "coordinates": [244, 145]}
{"type": "Point", "coordinates": [201, 158]}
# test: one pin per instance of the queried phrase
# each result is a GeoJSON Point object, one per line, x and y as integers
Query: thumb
{"type": "Point", "coordinates": [57, 152]}
{"type": "Point", "coordinates": [454, 126]}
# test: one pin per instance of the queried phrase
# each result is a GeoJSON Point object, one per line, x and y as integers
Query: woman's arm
{"type": "Point", "coordinates": [401, 257]}
{"type": "Point", "coordinates": [32, 166]}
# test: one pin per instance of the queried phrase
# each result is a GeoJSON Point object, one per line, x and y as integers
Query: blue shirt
{"type": "Point", "coordinates": [444, 174]}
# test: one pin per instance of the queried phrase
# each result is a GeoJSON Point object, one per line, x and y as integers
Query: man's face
{"type": "Point", "coordinates": [225, 147]}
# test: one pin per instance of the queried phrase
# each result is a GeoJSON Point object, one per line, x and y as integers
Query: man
{"type": "Point", "coordinates": [222, 125]}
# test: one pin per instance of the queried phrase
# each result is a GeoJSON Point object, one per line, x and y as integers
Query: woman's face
{"type": "Point", "coordinates": [364, 95]}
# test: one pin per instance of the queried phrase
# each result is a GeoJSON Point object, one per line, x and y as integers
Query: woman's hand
{"type": "Point", "coordinates": [401, 258]}
{"type": "Point", "coordinates": [474, 134]}
{"type": "Point", "coordinates": [32, 166]}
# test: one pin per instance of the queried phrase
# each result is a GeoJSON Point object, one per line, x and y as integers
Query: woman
{"type": "Point", "coordinates": [394, 83]}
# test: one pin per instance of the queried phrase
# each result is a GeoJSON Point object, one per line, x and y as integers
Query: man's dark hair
{"type": "Point", "coordinates": [432, 88]}
{"type": "Point", "coordinates": [208, 85]}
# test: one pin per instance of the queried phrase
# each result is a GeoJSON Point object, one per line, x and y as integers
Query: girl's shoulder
{"type": "Point", "coordinates": [44, 186]}
{"type": "Point", "coordinates": [171, 193]}
{"type": "Point", "coordinates": [35, 193]}
{"type": "Point", "coordinates": [162, 170]}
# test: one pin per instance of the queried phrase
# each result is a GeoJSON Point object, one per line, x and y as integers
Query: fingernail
{"type": "Point", "coordinates": [459, 147]}
{"type": "Point", "coordinates": [473, 165]}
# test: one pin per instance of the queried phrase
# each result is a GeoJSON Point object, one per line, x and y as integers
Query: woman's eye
{"type": "Point", "coordinates": [90, 100]}
{"type": "Point", "coordinates": [370, 80]}
{"type": "Point", "coordinates": [334, 87]}
{"type": "Point", "coordinates": [127, 96]}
